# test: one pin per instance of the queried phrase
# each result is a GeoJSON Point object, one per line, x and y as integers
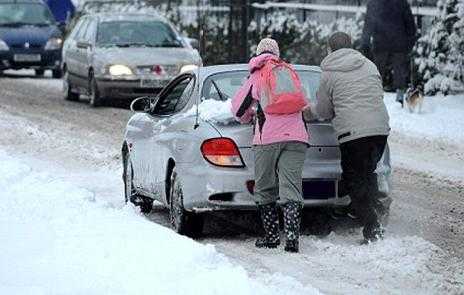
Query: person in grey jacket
{"type": "Point", "coordinates": [351, 95]}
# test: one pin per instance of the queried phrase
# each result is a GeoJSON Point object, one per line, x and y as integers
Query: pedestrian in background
{"type": "Point", "coordinates": [390, 28]}
{"type": "Point", "coordinates": [274, 97]}
{"type": "Point", "coordinates": [351, 94]}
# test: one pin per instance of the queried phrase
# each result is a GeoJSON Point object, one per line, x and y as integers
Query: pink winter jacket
{"type": "Point", "coordinates": [269, 128]}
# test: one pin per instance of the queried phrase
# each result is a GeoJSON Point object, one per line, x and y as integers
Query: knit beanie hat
{"type": "Point", "coordinates": [268, 45]}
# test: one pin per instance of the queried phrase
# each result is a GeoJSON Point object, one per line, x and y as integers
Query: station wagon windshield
{"type": "Point", "coordinates": [136, 34]}
{"type": "Point", "coordinates": [22, 14]}
{"type": "Point", "coordinates": [223, 86]}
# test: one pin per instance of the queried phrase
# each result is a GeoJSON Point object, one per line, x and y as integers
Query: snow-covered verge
{"type": "Point", "coordinates": [431, 141]}
{"type": "Point", "coordinates": [60, 238]}
{"type": "Point", "coordinates": [441, 118]}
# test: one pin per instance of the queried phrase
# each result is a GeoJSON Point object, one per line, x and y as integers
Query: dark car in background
{"type": "Point", "coordinates": [29, 37]}
{"type": "Point", "coordinates": [122, 56]}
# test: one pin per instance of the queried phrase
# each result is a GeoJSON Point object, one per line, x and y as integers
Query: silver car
{"type": "Point", "coordinates": [193, 163]}
{"type": "Point", "coordinates": [123, 56]}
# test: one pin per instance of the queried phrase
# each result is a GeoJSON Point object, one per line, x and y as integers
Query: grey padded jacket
{"type": "Point", "coordinates": [351, 93]}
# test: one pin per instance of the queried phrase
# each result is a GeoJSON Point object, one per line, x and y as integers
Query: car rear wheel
{"type": "Point", "coordinates": [39, 72]}
{"type": "Point", "coordinates": [183, 222]}
{"type": "Point", "coordinates": [95, 99]}
{"type": "Point", "coordinates": [130, 195]}
{"type": "Point", "coordinates": [67, 89]}
{"type": "Point", "coordinates": [57, 74]}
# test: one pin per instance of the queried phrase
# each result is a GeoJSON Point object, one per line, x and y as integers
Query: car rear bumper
{"type": "Point", "coordinates": [126, 89]}
{"type": "Point", "coordinates": [215, 189]}
{"type": "Point", "coordinates": [49, 59]}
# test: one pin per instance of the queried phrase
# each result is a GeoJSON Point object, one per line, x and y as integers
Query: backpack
{"type": "Point", "coordinates": [282, 93]}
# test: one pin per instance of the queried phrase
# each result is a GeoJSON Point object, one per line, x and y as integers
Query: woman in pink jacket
{"type": "Point", "coordinates": [279, 144]}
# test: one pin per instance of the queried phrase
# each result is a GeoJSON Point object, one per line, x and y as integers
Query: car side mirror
{"type": "Point", "coordinates": [143, 104]}
{"type": "Point", "coordinates": [83, 44]}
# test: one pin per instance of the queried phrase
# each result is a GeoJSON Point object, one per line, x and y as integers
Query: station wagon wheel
{"type": "Point", "coordinates": [130, 194]}
{"type": "Point", "coordinates": [183, 222]}
{"type": "Point", "coordinates": [39, 72]}
{"type": "Point", "coordinates": [67, 88]}
{"type": "Point", "coordinates": [94, 94]}
{"type": "Point", "coordinates": [57, 74]}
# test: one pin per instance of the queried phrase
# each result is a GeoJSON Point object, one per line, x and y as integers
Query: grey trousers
{"type": "Point", "coordinates": [278, 172]}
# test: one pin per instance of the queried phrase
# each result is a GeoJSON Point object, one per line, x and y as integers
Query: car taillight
{"type": "Point", "coordinates": [222, 152]}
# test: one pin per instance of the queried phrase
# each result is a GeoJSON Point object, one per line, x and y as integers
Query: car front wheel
{"type": "Point", "coordinates": [183, 222]}
{"type": "Point", "coordinates": [67, 89]}
{"type": "Point", "coordinates": [95, 99]}
{"type": "Point", "coordinates": [144, 203]}
{"type": "Point", "coordinates": [39, 72]}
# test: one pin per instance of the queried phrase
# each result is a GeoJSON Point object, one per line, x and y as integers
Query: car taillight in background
{"type": "Point", "coordinates": [222, 152]}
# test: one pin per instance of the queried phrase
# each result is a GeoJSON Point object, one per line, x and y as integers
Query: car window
{"type": "Point", "coordinates": [82, 30]}
{"type": "Point", "coordinates": [89, 34]}
{"type": "Point", "coordinates": [223, 86]}
{"type": "Point", "coordinates": [137, 33]}
{"type": "Point", "coordinates": [19, 14]}
{"type": "Point", "coordinates": [176, 98]}
{"type": "Point", "coordinates": [76, 29]}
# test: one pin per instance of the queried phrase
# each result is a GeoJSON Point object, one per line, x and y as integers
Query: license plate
{"type": "Point", "coordinates": [152, 83]}
{"type": "Point", "coordinates": [27, 57]}
{"type": "Point", "coordinates": [319, 189]}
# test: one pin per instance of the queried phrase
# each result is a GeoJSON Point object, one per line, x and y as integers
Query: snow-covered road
{"type": "Point", "coordinates": [64, 228]}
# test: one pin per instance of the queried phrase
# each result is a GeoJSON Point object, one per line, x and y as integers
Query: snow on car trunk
{"type": "Point", "coordinates": [59, 238]}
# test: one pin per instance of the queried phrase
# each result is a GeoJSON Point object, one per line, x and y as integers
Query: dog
{"type": "Point", "coordinates": [415, 99]}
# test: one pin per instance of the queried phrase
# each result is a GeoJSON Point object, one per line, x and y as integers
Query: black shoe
{"type": "Point", "coordinates": [292, 220]}
{"type": "Point", "coordinates": [292, 246]}
{"type": "Point", "coordinates": [270, 219]}
{"type": "Point", "coordinates": [373, 233]}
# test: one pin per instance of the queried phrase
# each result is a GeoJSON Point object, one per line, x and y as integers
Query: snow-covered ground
{"type": "Point", "coordinates": [431, 141]}
{"type": "Point", "coordinates": [64, 228]}
{"type": "Point", "coordinates": [59, 237]}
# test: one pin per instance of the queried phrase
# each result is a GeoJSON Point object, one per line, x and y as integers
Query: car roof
{"type": "Point", "coordinates": [127, 16]}
{"type": "Point", "coordinates": [210, 70]}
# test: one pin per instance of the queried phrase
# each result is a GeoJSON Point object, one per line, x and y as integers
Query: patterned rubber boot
{"type": "Point", "coordinates": [292, 220]}
{"type": "Point", "coordinates": [373, 230]}
{"type": "Point", "coordinates": [270, 218]}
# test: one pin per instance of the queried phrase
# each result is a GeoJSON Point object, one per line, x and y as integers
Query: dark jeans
{"type": "Point", "coordinates": [399, 62]}
{"type": "Point", "coordinates": [359, 160]}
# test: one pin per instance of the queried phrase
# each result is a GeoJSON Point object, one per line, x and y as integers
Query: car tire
{"type": "Point", "coordinates": [94, 94]}
{"type": "Point", "coordinates": [57, 74]}
{"type": "Point", "coordinates": [144, 203]}
{"type": "Point", "coordinates": [183, 222]}
{"type": "Point", "coordinates": [67, 89]}
{"type": "Point", "coordinates": [39, 72]}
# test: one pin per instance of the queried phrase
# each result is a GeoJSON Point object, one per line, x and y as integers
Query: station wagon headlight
{"type": "Point", "coordinates": [187, 68]}
{"type": "Point", "coordinates": [3, 45]}
{"type": "Point", "coordinates": [54, 44]}
{"type": "Point", "coordinates": [120, 70]}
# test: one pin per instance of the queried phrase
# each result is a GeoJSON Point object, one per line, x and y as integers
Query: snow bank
{"type": "Point", "coordinates": [441, 119]}
{"type": "Point", "coordinates": [59, 238]}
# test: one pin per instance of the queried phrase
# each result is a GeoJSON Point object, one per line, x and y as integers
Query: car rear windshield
{"type": "Point", "coordinates": [224, 85]}
{"type": "Point", "coordinates": [137, 34]}
{"type": "Point", "coordinates": [21, 14]}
